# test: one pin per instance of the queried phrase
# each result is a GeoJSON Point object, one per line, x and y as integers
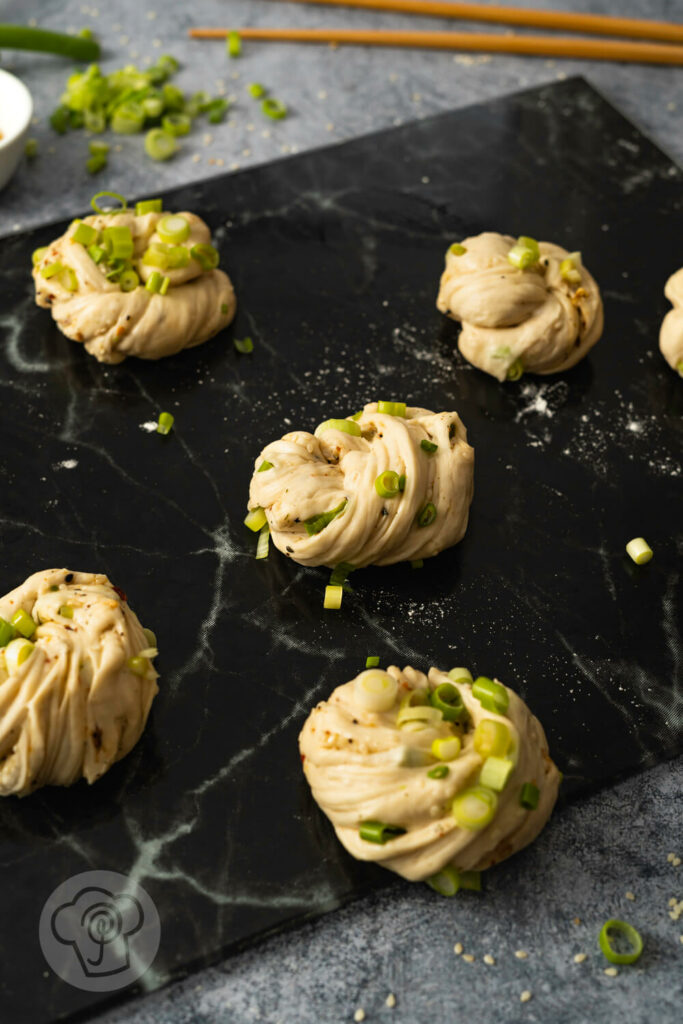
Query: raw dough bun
{"type": "Point", "coordinates": [113, 324]}
{"type": "Point", "coordinates": [671, 334]}
{"type": "Point", "coordinates": [73, 708]}
{"type": "Point", "coordinates": [507, 314]}
{"type": "Point", "coordinates": [314, 474]}
{"type": "Point", "coordinates": [361, 766]}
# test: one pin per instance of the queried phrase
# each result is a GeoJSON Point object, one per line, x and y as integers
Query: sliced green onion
{"type": "Point", "coordinates": [317, 523]}
{"type": "Point", "coordinates": [178, 256]}
{"type": "Point", "coordinates": [128, 281]}
{"type": "Point", "coordinates": [392, 408]}
{"type": "Point", "coordinates": [256, 90]}
{"type": "Point", "coordinates": [402, 482]}
{"type": "Point", "coordinates": [68, 279]}
{"type": "Point", "coordinates": [243, 345]}
{"type": "Point", "coordinates": [356, 415]}
{"type": "Point", "coordinates": [23, 623]}
{"type": "Point", "coordinates": [37, 254]}
{"type": "Point", "coordinates": [148, 206]}
{"type": "Point", "coordinates": [446, 882]}
{"type": "Point", "coordinates": [150, 636]}
{"type": "Point", "coordinates": [457, 249]}
{"type": "Point", "coordinates": [20, 37]}
{"type": "Point", "coordinates": [372, 661]}
{"type": "Point", "coordinates": [66, 611]}
{"type": "Point", "coordinates": [624, 931]}
{"type": "Point", "coordinates": [417, 563]}
{"type": "Point", "coordinates": [333, 597]}
{"type": "Point", "coordinates": [60, 119]}
{"type": "Point", "coordinates": [525, 253]}
{"type": "Point", "coordinates": [168, 64]}
{"type": "Point", "coordinates": [128, 118]}
{"type": "Point", "coordinates": [386, 484]}
{"type": "Point", "coordinates": [341, 573]}
{"type": "Point", "coordinates": [273, 108]}
{"type": "Point", "coordinates": [157, 283]}
{"type": "Point", "coordinates": [95, 164]}
{"type": "Point", "coordinates": [379, 832]}
{"type": "Point", "coordinates": [374, 690]}
{"type": "Point", "coordinates": [118, 241]}
{"type": "Point", "coordinates": [348, 426]}
{"type": "Point", "coordinates": [265, 466]}
{"type": "Point", "coordinates": [639, 550]}
{"type": "Point", "coordinates": [98, 148]}
{"type": "Point", "coordinates": [7, 632]}
{"type": "Point", "coordinates": [424, 714]}
{"type": "Point", "coordinates": [153, 105]}
{"type": "Point", "coordinates": [51, 270]}
{"type": "Point", "coordinates": [16, 653]}
{"type": "Point", "coordinates": [216, 110]}
{"type": "Point", "coordinates": [515, 370]}
{"type": "Point", "coordinates": [165, 423]}
{"type": "Point", "coordinates": [233, 44]}
{"type": "Point", "coordinates": [138, 665]}
{"type": "Point", "coordinates": [428, 446]}
{"type": "Point", "coordinates": [495, 773]}
{"type": "Point", "coordinates": [570, 269]}
{"type": "Point", "coordinates": [491, 695]}
{"type": "Point", "coordinates": [111, 195]}
{"type": "Point", "coordinates": [470, 880]}
{"type": "Point", "coordinates": [157, 255]}
{"type": "Point", "coordinates": [96, 253]}
{"type": "Point", "coordinates": [529, 796]}
{"type": "Point", "coordinates": [446, 748]}
{"type": "Point", "coordinates": [475, 808]}
{"type": "Point", "coordinates": [176, 124]}
{"type": "Point", "coordinates": [439, 771]}
{"type": "Point", "coordinates": [159, 145]}
{"type": "Point", "coordinates": [415, 699]}
{"type": "Point", "coordinates": [426, 515]}
{"type": "Point", "coordinates": [206, 255]}
{"type": "Point", "coordinates": [679, 367]}
{"type": "Point", "coordinates": [173, 228]}
{"type": "Point", "coordinates": [263, 539]}
{"type": "Point", "coordinates": [85, 234]}
{"type": "Point", "coordinates": [460, 675]}
{"type": "Point", "coordinates": [491, 738]}
{"type": "Point", "coordinates": [447, 699]}
{"type": "Point", "coordinates": [224, 309]}
{"type": "Point", "coordinates": [256, 519]}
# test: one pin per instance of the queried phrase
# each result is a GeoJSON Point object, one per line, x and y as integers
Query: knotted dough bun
{"type": "Point", "coordinates": [671, 334]}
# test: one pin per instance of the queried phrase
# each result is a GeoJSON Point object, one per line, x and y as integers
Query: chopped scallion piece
{"type": "Point", "coordinates": [206, 255]}
{"type": "Point", "coordinates": [68, 279]}
{"type": "Point", "coordinates": [51, 270]}
{"type": "Point", "coordinates": [372, 661]}
{"type": "Point", "coordinates": [491, 738]}
{"type": "Point", "coordinates": [529, 796]}
{"type": "Point", "coordinates": [31, 149]}
{"type": "Point", "coordinates": [273, 108]}
{"type": "Point", "coordinates": [475, 808]}
{"type": "Point", "coordinates": [624, 932]}
{"type": "Point", "coordinates": [111, 195]}
{"type": "Point", "coordinates": [224, 309]}
{"type": "Point", "coordinates": [375, 690]}
{"type": "Point", "coordinates": [118, 242]}
{"type": "Point", "coordinates": [340, 574]}
{"type": "Point", "coordinates": [379, 832]}
{"type": "Point", "coordinates": [423, 714]}
{"type": "Point", "coordinates": [128, 118]}
{"type": "Point", "coordinates": [7, 632]}
{"type": "Point", "coordinates": [356, 415]}
{"type": "Point", "coordinates": [263, 539]}
{"type": "Point", "coordinates": [23, 623]}
{"type": "Point", "coordinates": [138, 665]}
{"type": "Point", "coordinates": [392, 408]}
{"type": "Point", "coordinates": [570, 269]}
{"type": "Point", "coordinates": [233, 44]}
{"type": "Point", "coordinates": [446, 748]}
{"type": "Point", "coordinates": [154, 282]}
{"type": "Point", "coordinates": [348, 427]}
{"type": "Point", "coordinates": [402, 482]}
{"type": "Point", "coordinates": [243, 345]}
{"type": "Point", "coordinates": [265, 466]}
{"type": "Point", "coordinates": [96, 163]}
{"type": "Point", "coordinates": [639, 550]}
{"type": "Point", "coordinates": [417, 563]}
{"type": "Point", "coordinates": [460, 675]}
{"type": "Point", "coordinates": [446, 882]}
{"type": "Point", "coordinates": [16, 653]}
{"type": "Point", "coordinates": [148, 206]}
{"type": "Point", "coordinates": [85, 234]}
{"type": "Point", "coordinates": [439, 771]}
{"type": "Point", "coordinates": [495, 772]}
{"type": "Point", "coordinates": [166, 421]}
{"type": "Point", "coordinates": [428, 446]}
{"type": "Point", "coordinates": [457, 249]}
{"type": "Point", "coordinates": [426, 515]}
{"type": "Point", "coordinates": [96, 253]}
{"type": "Point", "coordinates": [470, 880]}
{"type": "Point", "coordinates": [66, 611]}
{"type": "Point", "coordinates": [128, 281]}
{"type": "Point", "coordinates": [525, 253]}
{"type": "Point", "coordinates": [158, 255]}
{"type": "Point", "coordinates": [333, 597]}
{"type": "Point", "coordinates": [317, 523]}
{"type": "Point", "coordinates": [176, 124]}
{"type": "Point", "coordinates": [491, 695]}
{"type": "Point", "coordinates": [386, 484]}
{"type": "Point", "coordinates": [255, 519]}
{"type": "Point", "coordinates": [173, 229]}
{"type": "Point", "coordinates": [178, 256]}
{"type": "Point", "coordinates": [160, 145]}
{"type": "Point", "coordinates": [515, 370]}
{"type": "Point", "coordinates": [38, 254]}
{"type": "Point", "coordinates": [447, 699]}
{"type": "Point", "coordinates": [150, 636]}
{"type": "Point", "coordinates": [256, 90]}
{"type": "Point", "coordinates": [216, 110]}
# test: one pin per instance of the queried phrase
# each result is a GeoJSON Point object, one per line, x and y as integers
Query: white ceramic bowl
{"type": "Point", "coordinates": [16, 110]}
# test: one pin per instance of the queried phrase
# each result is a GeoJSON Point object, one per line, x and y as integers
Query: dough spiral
{"type": "Point", "coordinates": [313, 474]}
{"type": "Point", "coordinates": [671, 333]}
{"type": "Point", "coordinates": [532, 319]}
{"type": "Point", "coordinates": [362, 766]}
{"type": "Point", "coordinates": [112, 323]}
{"type": "Point", "coordinates": [74, 707]}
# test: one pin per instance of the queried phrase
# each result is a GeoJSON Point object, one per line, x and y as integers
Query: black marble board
{"type": "Point", "coordinates": [336, 257]}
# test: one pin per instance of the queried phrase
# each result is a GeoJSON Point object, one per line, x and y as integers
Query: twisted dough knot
{"type": "Point", "coordinates": [74, 706]}
{"type": "Point", "coordinates": [336, 471]}
{"type": "Point", "coordinates": [362, 766]}
{"type": "Point", "coordinates": [671, 334]}
{"type": "Point", "coordinates": [113, 324]}
{"type": "Point", "coordinates": [533, 316]}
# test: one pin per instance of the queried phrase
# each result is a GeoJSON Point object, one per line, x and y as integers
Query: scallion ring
{"type": "Point", "coordinates": [515, 370]}
{"type": "Point", "coordinates": [160, 145]}
{"type": "Point", "coordinates": [233, 44]}
{"type": "Point", "coordinates": [374, 690]}
{"type": "Point", "coordinates": [243, 345]}
{"type": "Point", "coordinates": [173, 228]}
{"type": "Point", "coordinates": [333, 597]}
{"type": "Point", "coordinates": [460, 675]}
{"type": "Point", "coordinates": [255, 519]}
{"type": "Point", "coordinates": [426, 515]}
{"type": "Point", "coordinates": [439, 771]}
{"type": "Point", "coordinates": [627, 934]}
{"type": "Point", "coordinates": [347, 426]}
{"type": "Point", "coordinates": [273, 108]}
{"type": "Point", "coordinates": [206, 255]}
{"type": "Point", "coordinates": [386, 484]}
{"type": "Point", "coordinates": [529, 796]}
{"type": "Point", "coordinates": [392, 408]}
{"type": "Point", "coordinates": [128, 281]}
{"type": "Point", "coordinates": [176, 124]}
{"type": "Point", "coordinates": [37, 254]}
{"type": "Point", "coordinates": [111, 195]}
{"type": "Point", "coordinates": [379, 831]}
{"type": "Point", "coordinates": [85, 234]}
{"type": "Point", "coordinates": [456, 249]}
{"type": "Point", "coordinates": [491, 694]}
{"type": "Point", "coordinates": [446, 882]}
{"type": "Point", "coordinates": [148, 206]}
{"type": "Point", "coordinates": [496, 772]}
{"type": "Point", "coordinates": [165, 424]}
{"type": "Point", "coordinates": [491, 738]}
{"type": "Point", "coordinates": [23, 623]}
{"type": "Point", "coordinates": [118, 242]}
{"type": "Point", "coordinates": [263, 540]}
{"type": "Point", "coordinates": [446, 697]}
{"type": "Point", "coordinates": [475, 808]}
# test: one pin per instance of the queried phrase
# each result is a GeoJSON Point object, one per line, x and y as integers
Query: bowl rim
{"type": "Point", "coordinates": [7, 140]}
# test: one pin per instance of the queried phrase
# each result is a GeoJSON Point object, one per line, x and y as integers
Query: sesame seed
{"type": "Point", "coordinates": [329, 127]}
{"type": "Point", "coordinates": [676, 862]}
{"type": "Point", "coordinates": [525, 996]}
{"type": "Point", "coordinates": [390, 1001]}
{"type": "Point", "coordinates": [196, 158]}
{"type": "Point", "coordinates": [488, 959]}
{"type": "Point", "coordinates": [359, 1014]}
{"type": "Point", "coordinates": [457, 948]}
{"type": "Point", "coordinates": [580, 957]}
{"type": "Point", "coordinates": [670, 857]}
{"type": "Point", "coordinates": [611, 972]}
{"type": "Point", "coordinates": [208, 139]}
{"type": "Point", "coordinates": [672, 902]}
{"type": "Point", "coordinates": [468, 957]}
{"type": "Point", "coordinates": [630, 895]}
{"type": "Point", "coordinates": [521, 954]}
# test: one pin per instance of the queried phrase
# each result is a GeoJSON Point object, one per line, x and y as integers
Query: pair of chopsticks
{"type": "Point", "coordinates": [667, 50]}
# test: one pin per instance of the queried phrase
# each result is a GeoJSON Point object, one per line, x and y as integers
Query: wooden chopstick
{"type": "Point", "coordinates": [569, 21]}
{"type": "Point", "coordinates": [488, 42]}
